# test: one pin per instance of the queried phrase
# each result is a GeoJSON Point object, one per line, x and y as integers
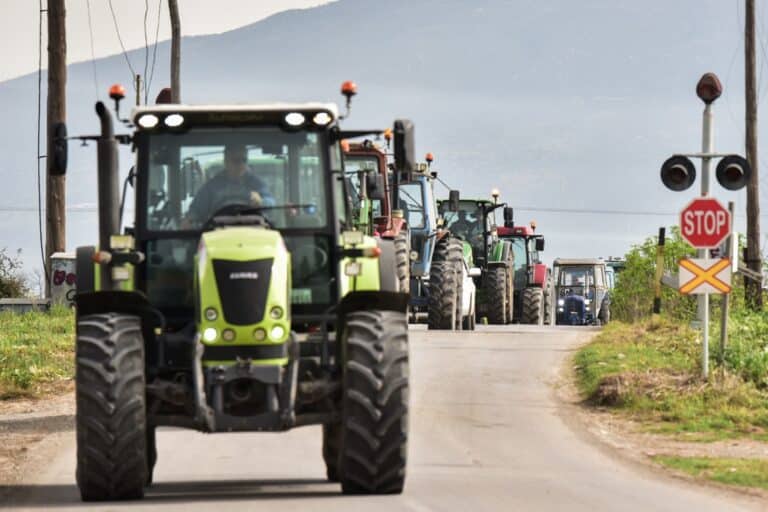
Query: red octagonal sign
{"type": "Point", "coordinates": [705, 223]}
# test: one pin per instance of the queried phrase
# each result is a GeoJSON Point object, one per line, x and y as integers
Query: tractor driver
{"type": "Point", "coordinates": [236, 184]}
{"type": "Point", "coordinates": [465, 227]}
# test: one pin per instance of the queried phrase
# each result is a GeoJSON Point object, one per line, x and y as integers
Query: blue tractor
{"type": "Point", "coordinates": [581, 288]}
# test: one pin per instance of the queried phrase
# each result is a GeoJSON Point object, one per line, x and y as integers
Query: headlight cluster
{"type": "Point", "coordinates": [151, 120]}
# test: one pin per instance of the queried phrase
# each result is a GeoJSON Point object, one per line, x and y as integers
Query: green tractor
{"type": "Point", "coordinates": [239, 300]}
{"type": "Point", "coordinates": [473, 221]}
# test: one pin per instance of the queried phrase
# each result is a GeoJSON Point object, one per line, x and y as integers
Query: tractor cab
{"type": "Point", "coordinates": [581, 289]}
{"type": "Point", "coordinates": [473, 222]}
{"type": "Point", "coordinates": [365, 170]}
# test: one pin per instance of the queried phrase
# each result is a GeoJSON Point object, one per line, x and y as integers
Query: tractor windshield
{"type": "Point", "coordinates": [466, 223]}
{"type": "Point", "coordinates": [412, 203]}
{"type": "Point", "coordinates": [520, 253]}
{"type": "Point", "coordinates": [355, 169]}
{"type": "Point", "coordinates": [193, 175]}
{"type": "Point", "coordinates": [579, 280]}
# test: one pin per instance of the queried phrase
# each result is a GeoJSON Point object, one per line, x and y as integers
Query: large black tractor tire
{"type": "Point", "coordinates": [374, 429]}
{"type": "Point", "coordinates": [331, 446]}
{"type": "Point", "coordinates": [496, 296]}
{"type": "Point", "coordinates": [533, 306]}
{"type": "Point", "coordinates": [403, 261]}
{"type": "Point", "coordinates": [450, 250]}
{"type": "Point", "coordinates": [111, 414]}
{"type": "Point", "coordinates": [444, 302]}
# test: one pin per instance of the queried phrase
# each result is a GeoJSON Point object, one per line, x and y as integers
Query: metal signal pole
{"type": "Point", "coordinates": [173, 8]}
{"type": "Point", "coordinates": [752, 288]}
{"type": "Point", "coordinates": [55, 201]}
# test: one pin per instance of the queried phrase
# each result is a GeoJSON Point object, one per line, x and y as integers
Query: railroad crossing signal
{"type": "Point", "coordinates": [705, 223]}
{"type": "Point", "coordinates": [699, 276]}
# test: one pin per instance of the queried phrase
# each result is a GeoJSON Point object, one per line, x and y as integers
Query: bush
{"type": "Point", "coordinates": [632, 299]}
{"type": "Point", "coordinates": [12, 282]}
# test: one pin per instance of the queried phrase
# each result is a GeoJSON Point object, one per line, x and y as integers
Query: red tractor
{"type": "Point", "coordinates": [533, 298]}
{"type": "Point", "coordinates": [371, 198]}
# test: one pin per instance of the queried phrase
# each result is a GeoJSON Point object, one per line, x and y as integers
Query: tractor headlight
{"type": "Point", "coordinates": [587, 302]}
{"type": "Point", "coordinates": [561, 302]}
{"type": "Point", "coordinates": [210, 334]}
{"type": "Point", "coordinates": [228, 335]}
{"type": "Point", "coordinates": [276, 313]}
{"type": "Point", "coordinates": [148, 121]}
{"type": "Point", "coordinates": [259, 334]}
{"type": "Point", "coordinates": [294, 119]}
{"type": "Point", "coordinates": [277, 333]}
{"type": "Point", "coordinates": [211, 314]}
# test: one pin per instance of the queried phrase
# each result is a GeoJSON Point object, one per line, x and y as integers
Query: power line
{"type": "Point", "coordinates": [93, 52]}
{"type": "Point", "coordinates": [122, 46]}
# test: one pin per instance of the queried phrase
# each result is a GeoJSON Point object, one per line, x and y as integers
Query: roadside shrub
{"type": "Point", "coordinates": [632, 299]}
{"type": "Point", "coordinates": [12, 283]}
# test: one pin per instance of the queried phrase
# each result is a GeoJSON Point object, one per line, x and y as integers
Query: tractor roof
{"type": "Point", "coordinates": [579, 261]}
{"type": "Point", "coordinates": [524, 231]}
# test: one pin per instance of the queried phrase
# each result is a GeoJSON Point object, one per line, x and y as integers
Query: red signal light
{"type": "Point", "coordinates": [430, 158]}
{"type": "Point", "coordinates": [349, 88]}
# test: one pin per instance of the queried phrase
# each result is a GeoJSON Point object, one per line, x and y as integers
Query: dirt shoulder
{"type": "Point", "coordinates": [620, 436]}
{"type": "Point", "coordinates": [30, 429]}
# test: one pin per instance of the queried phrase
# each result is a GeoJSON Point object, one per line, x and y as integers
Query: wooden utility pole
{"type": "Point", "coordinates": [173, 8]}
{"type": "Point", "coordinates": [752, 289]}
{"type": "Point", "coordinates": [55, 200]}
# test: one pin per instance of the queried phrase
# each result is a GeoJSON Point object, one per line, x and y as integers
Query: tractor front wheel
{"type": "Point", "coordinates": [533, 306]}
{"type": "Point", "coordinates": [374, 427]}
{"type": "Point", "coordinates": [496, 296]}
{"type": "Point", "coordinates": [111, 417]}
{"type": "Point", "coordinates": [444, 300]}
{"type": "Point", "coordinates": [403, 262]}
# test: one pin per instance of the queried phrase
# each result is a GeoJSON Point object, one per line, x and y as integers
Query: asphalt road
{"type": "Point", "coordinates": [487, 433]}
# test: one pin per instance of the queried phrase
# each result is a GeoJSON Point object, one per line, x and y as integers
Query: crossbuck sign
{"type": "Point", "coordinates": [698, 276]}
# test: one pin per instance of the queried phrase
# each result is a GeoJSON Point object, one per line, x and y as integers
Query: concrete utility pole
{"type": "Point", "coordinates": [752, 288]}
{"type": "Point", "coordinates": [55, 201]}
{"type": "Point", "coordinates": [173, 8]}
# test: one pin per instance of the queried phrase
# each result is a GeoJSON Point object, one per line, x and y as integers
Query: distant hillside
{"type": "Point", "coordinates": [560, 104]}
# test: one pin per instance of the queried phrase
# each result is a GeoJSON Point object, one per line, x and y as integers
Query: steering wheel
{"type": "Point", "coordinates": [237, 210]}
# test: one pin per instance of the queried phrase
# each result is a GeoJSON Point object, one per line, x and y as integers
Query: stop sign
{"type": "Point", "coordinates": [705, 223]}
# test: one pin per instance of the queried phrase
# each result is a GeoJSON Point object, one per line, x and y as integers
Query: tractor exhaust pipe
{"type": "Point", "coordinates": [108, 187]}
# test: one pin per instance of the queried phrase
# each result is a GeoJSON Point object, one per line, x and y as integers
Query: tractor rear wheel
{"type": "Point", "coordinates": [331, 442]}
{"type": "Point", "coordinates": [450, 250]}
{"type": "Point", "coordinates": [403, 261]}
{"type": "Point", "coordinates": [605, 313]}
{"type": "Point", "coordinates": [374, 427]}
{"type": "Point", "coordinates": [533, 306]}
{"type": "Point", "coordinates": [111, 418]}
{"type": "Point", "coordinates": [496, 297]}
{"type": "Point", "coordinates": [444, 300]}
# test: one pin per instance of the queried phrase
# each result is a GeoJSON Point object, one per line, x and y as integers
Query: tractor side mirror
{"type": "Point", "coordinates": [509, 217]}
{"type": "Point", "coordinates": [374, 185]}
{"type": "Point", "coordinates": [405, 148]}
{"type": "Point", "coordinates": [453, 200]}
{"type": "Point", "coordinates": [58, 164]}
{"type": "Point", "coordinates": [540, 244]}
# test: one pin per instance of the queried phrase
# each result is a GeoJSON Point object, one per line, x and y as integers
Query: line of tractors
{"type": "Point", "coordinates": [458, 265]}
{"type": "Point", "coordinates": [266, 282]}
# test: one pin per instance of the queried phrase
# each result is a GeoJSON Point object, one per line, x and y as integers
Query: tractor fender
{"type": "Point", "coordinates": [85, 271]}
{"type": "Point", "coordinates": [539, 275]}
{"type": "Point", "coordinates": [387, 264]}
{"type": "Point", "coordinates": [373, 300]}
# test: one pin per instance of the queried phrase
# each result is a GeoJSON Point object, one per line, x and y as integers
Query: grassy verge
{"type": "Point", "coordinates": [649, 371]}
{"type": "Point", "coordinates": [741, 472]}
{"type": "Point", "coordinates": [36, 352]}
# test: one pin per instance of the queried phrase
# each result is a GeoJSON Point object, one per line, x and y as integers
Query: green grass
{"type": "Point", "coordinates": [650, 372]}
{"type": "Point", "coordinates": [741, 472]}
{"type": "Point", "coordinates": [36, 351]}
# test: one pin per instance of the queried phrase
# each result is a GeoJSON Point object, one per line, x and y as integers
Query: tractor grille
{"type": "Point", "coordinates": [574, 305]}
{"type": "Point", "coordinates": [243, 288]}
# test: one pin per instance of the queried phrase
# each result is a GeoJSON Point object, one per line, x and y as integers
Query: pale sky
{"type": "Point", "coordinates": [19, 25]}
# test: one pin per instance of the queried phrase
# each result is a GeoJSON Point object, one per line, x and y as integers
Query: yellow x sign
{"type": "Point", "coordinates": [699, 276]}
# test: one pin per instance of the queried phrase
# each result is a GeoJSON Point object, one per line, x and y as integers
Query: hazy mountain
{"type": "Point", "coordinates": [560, 104]}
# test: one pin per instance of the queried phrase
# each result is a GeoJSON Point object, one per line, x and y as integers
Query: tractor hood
{"type": "Point", "coordinates": [242, 286]}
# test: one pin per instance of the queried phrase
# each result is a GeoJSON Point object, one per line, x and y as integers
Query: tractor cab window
{"type": "Point", "coordinates": [579, 280]}
{"type": "Point", "coordinates": [356, 168]}
{"type": "Point", "coordinates": [521, 264]}
{"type": "Point", "coordinates": [412, 203]}
{"type": "Point", "coordinates": [466, 223]}
{"type": "Point", "coordinates": [193, 175]}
